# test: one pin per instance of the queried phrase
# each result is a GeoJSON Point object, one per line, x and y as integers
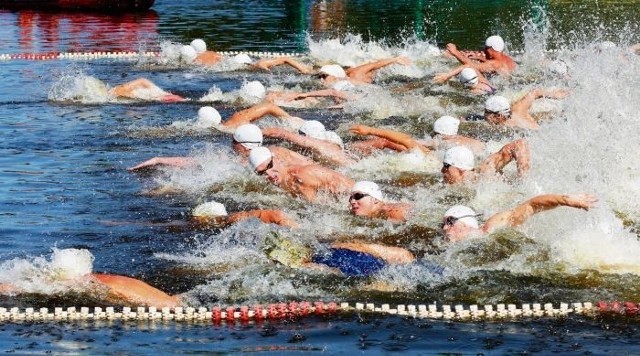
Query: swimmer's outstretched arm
{"type": "Point", "coordinates": [127, 90]}
{"type": "Point", "coordinates": [394, 136]}
{"type": "Point", "coordinates": [323, 93]}
{"type": "Point", "coordinates": [180, 162]}
{"type": "Point", "coordinates": [453, 50]}
{"type": "Point", "coordinates": [267, 216]}
{"type": "Point", "coordinates": [254, 113]}
{"type": "Point", "coordinates": [522, 212]}
{"type": "Point", "coordinates": [325, 149]}
{"type": "Point", "coordinates": [367, 147]}
{"type": "Point", "coordinates": [269, 63]}
{"type": "Point", "coordinates": [524, 103]}
{"type": "Point", "coordinates": [135, 291]}
{"type": "Point", "coordinates": [444, 77]}
{"type": "Point", "coordinates": [390, 254]}
{"type": "Point", "coordinates": [517, 150]}
{"type": "Point", "coordinates": [367, 68]}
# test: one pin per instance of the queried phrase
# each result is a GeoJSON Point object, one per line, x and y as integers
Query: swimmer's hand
{"type": "Point", "coordinates": [450, 47]}
{"type": "Point", "coordinates": [581, 201]}
{"type": "Point", "coordinates": [403, 60]}
{"type": "Point", "coordinates": [360, 130]}
{"type": "Point", "coordinates": [179, 162]}
{"type": "Point", "coordinates": [172, 98]}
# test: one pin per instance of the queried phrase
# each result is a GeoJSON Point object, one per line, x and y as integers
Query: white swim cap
{"type": "Point", "coordinates": [495, 42]}
{"type": "Point", "coordinates": [199, 45]}
{"type": "Point", "coordinates": [258, 156]}
{"type": "Point", "coordinates": [208, 116]}
{"type": "Point", "coordinates": [459, 157]}
{"type": "Point", "coordinates": [464, 214]}
{"type": "Point", "coordinates": [210, 208]}
{"type": "Point", "coordinates": [333, 70]}
{"type": "Point", "coordinates": [188, 54]}
{"type": "Point", "coordinates": [253, 89]}
{"type": "Point", "coordinates": [498, 104]}
{"type": "Point", "coordinates": [242, 58]}
{"type": "Point", "coordinates": [248, 135]}
{"type": "Point", "coordinates": [468, 77]}
{"type": "Point", "coordinates": [312, 128]}
{"type": "Point", "coordinates": [368, 188]}
{"type": "Point", "coordinates": [71, 263]}
{"type": "Point", "coordinates": [446, 125]}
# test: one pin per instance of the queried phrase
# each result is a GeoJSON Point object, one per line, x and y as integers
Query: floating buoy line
{"type": "Point", "coordinates": [232, 314]}
{"type": "Point", "coordinates": [121, 55]}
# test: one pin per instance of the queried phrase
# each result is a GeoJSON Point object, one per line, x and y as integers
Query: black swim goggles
{"type": "Point", "coordinates": [264, 171]}
{"type": "Point", "coordinates": [451, 220]}
{"type": "Point", "coordinates": [357, 196]}
{"type": "Point", "coordinates": [468, 82]}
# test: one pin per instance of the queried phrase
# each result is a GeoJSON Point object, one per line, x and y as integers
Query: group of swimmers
{"type": "Point", "coordinates": [316, 177]}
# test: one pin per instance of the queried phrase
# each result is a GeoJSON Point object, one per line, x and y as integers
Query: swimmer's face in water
{"type": "Point", "coordinates": [361, 204]}
{"type": "Point", "coordinates": [451, 174]}
{"type": "Point", "coordinates": [270, 172]}
{"type": "Point", "coordinates": [455, 230]}
{"type": "Point", "coordinates": [494, 117]}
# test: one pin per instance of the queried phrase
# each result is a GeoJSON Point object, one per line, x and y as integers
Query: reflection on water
{"type": "Point", "coordinates": [283, 25]}
{"type": "Point", "coordinates": [43, 31]}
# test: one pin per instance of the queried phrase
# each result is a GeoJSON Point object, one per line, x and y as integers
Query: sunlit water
{"type": "Point", "coordinates": [66, 146]}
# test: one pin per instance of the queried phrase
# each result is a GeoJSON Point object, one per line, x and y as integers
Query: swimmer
{"type": "Point", "coordinates": [245, 138]}
{"type": "Point", "coordinates": [196, 53]}
{"type": "Point", "coordinates": [257, 112]}
{"type": "Point", "coordinates": [459, 163]}
{"type": "Point", "coordinates": [366, 200]}
{"type": "Point", "coordinates": [491, 60]}
{"type": "Point", "coordinates": [307, 99]}
{"type": "Point", "coordinates": [268, 63]}
{"type": "Point", "coordinates": [471, 79]}
{"type": "Point", "coordinates": [460, 222]}
{"type": "Point", "coordinates": [68, 267]}
{"type": "Point", "coordinates": [498, 110]}
{"type": "Point", "coordinates": [144, 89]}
{"type": "Point", "coordinates": [326, 145]}
{"type": "Point", "coordinates": [304, 181]}
{"type": "Point", "coordinates": [333, 74]}
{"type": "Point", "coordinates": [445, 135]}
{"type": "Point", "coordinates": [213, 214]}
{"type": "Point", "coordinates": [355, 258]}
{"type": "Point", "coordinates": [394, 140]}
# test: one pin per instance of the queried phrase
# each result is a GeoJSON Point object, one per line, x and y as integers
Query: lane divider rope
{"type": "Point", "coordinates": [277, 311]}
{"type": "Point", "coordinates": [123, 55]}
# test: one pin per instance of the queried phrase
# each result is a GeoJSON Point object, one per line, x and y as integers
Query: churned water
{"type": "Point", "coordinates": [66, 146]}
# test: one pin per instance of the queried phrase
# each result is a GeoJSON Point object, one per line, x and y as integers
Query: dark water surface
{"type": "Point", "coordinates": [65, 184]}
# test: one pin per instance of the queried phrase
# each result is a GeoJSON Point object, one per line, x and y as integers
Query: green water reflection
{"type": "Point", "coordinates": [283, 25]}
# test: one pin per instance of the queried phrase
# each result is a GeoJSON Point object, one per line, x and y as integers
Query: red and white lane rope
{"type": "Point", "coordinates": [120, 55]}
{"type": "Point", "coordinates": [233, 314]}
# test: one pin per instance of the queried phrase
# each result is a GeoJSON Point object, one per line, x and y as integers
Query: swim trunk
{"type": "Point", "coordinates": [349, 262]}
